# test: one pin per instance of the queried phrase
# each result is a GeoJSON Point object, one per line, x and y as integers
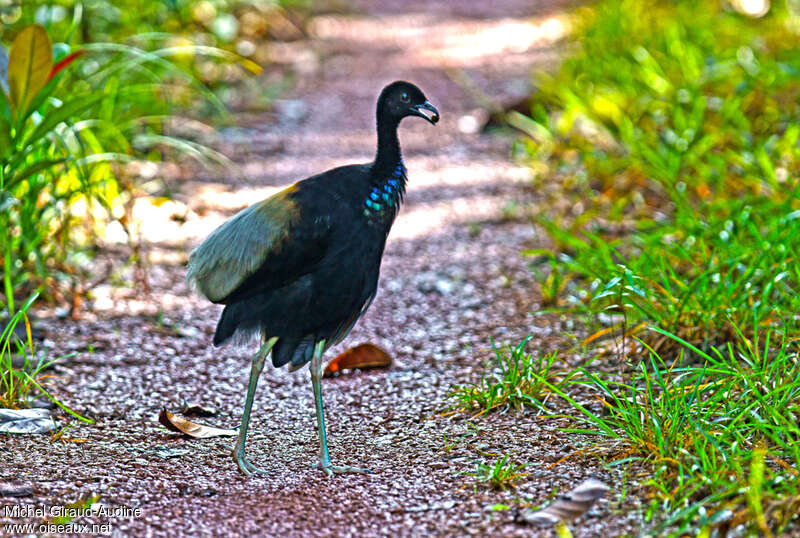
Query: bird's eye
{"type": "Point", "coordinates": [404, 97]}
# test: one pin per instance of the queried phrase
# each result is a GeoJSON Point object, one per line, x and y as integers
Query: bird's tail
{"type": "Point", "coordinates": [226, 326]}
{"type": "Point", "coordinates": [234, 324]}
{"type": "Point", "coordinates": [293, 352]}
{"type": "Point", "coordinates": [287, 350]}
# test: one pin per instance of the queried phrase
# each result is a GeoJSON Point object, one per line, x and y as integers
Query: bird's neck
{"type": "Point", "coordinates": [388, 155]}
{"type": "Point", "coordinates": [387, 178]}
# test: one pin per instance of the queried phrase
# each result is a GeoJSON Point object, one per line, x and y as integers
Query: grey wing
{"type": "Point", "coordinates": [255, 236]}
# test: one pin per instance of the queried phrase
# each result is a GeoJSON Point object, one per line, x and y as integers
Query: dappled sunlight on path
{"type": "Point", "coordinates": [452, 280]}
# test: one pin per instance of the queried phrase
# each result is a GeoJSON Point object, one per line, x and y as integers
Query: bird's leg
{"type": "Point", "coordinates": [316, 383]}
{"type": "Point", "coordinates": [255, 371]}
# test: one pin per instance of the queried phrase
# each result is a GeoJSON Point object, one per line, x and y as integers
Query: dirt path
{"type": "Point", "coordinates": [452, 279]}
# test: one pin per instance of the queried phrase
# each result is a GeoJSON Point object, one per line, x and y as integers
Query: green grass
{"type": "Point", "coordinates": [678, 144]}
{"type": "Point", "coordinates": [502, 474]}
{"type": "Point", "coordinates": [720, 435]}
{"type": "Point", "coordinates": [517, 379]}
{"type": "Point", "coordinates": [700, 278]}
{"type": "Point", "coordinates": [20, 385]}
{"type": "Point", "coordinates": [668, 144]}
{"type": "Point", "coordinates": [651, 106]}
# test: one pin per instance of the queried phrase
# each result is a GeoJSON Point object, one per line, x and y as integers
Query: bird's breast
{"type": "Point", "coordinates": [384, 197]}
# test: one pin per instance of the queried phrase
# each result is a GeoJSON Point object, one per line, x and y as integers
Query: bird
{"type": "Point", "coordinates": [300, 268]}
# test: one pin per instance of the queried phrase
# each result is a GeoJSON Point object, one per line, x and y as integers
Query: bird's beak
{"type": "Point", "coordinates": [427, 107]}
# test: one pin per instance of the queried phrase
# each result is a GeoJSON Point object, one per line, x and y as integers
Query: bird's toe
{"type": "Point", "coordinates": [247, 468]}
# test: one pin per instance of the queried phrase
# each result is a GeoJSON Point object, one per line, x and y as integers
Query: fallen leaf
{"type": "Point", "coordinates": [26, 421]}
{"type": "Point", "coordinates": [362, 356]}
{"type": "Point", "coordinates": [192, 429]}
{"type": "Point", "coordinates": [194, 410]}
{"type": "Point", "coordinates": [567, 507]}
{"type": "Point", "coordinates": [15, 489]}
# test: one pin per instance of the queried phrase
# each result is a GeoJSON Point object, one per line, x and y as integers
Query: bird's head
{"type": "Point", "coordinates": [400, 99]}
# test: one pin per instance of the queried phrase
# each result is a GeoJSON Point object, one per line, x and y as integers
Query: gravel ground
{"type": "Point", "coordinates": [452, 280]}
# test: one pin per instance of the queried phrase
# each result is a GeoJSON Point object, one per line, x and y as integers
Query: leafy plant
{"type": "Point", "coordinates": [231, 26]}
{"type": "Point", "coordinates": [32, 151]}
{"type": "Point", "coordinates": [670, 133]}
{"type": "Point", "coordinates": [700, 279]}
{"type": "Point", "coordinates": [676, 145]}
{"type": "Point", "coordinates": [518, 379]}
{"type": "Point", "coordinates": [63, 134]}
{"type": "Point", "coordinates": [652, 104]}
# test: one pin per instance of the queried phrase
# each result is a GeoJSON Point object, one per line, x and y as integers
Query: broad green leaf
{"type": "Point", "coordinates": [30, 62]}
{"type": "Point", "coordinates": [40, 98]}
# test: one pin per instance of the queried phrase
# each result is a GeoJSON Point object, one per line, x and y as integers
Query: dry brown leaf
{"type": "Point", "coordinates": [195, 410]}
{"type": "Point", "coordinates": [192, 429]}
{"type": "Point", "coordinates": [362, 356]}
{"type": "Point", "coordinates": [568, 507]}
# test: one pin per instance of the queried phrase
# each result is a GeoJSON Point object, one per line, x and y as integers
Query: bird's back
{"type": "Point", "coordinates": [301, 265]}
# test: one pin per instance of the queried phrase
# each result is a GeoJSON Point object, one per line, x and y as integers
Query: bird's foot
{"type": "Point", "coordinates": [247, 468]}
{"type": "Point", "coordinates": [330, 470]}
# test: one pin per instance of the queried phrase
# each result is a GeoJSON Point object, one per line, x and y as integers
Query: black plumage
{"type": "Point", "coordinates": [301, 267]}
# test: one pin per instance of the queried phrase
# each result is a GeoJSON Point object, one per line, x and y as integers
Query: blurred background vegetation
{"type": "Point", "coordinates": [139, 77]}
{"type": "Point", "coordinates": [673, 126]}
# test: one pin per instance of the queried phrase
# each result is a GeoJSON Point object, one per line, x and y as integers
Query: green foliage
{"type": "Point", "coordinates": [518, 379]}
{"type": "Point", "coordinates": [721, 437]}
{"type": "Point", "coordinates": [39, 136]}
{"type": "Point", "coordinates": [66, 124]}
{"type": "Point", "coordinates": [687, 98]}
{"type": "Point", "coordinates": [671, 132]}
{"type": "Point", "coordinates": [112, 20]}
{"type": "Point", "coordinates": [20, 385]}
{"type": "Point", "coordinates": [503, 474]}
{"type": "Point", "coordinates": [697, 277]}
{"type": "Point", "coordinates": [230, 25]}
{"type": "Point", "coordinates": [689, 129]}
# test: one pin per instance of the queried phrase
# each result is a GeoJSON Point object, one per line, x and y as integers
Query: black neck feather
{"type": "Point", "coordinates": [388, 155]}
{"type": "Point", "coordinates": [387, 175]}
